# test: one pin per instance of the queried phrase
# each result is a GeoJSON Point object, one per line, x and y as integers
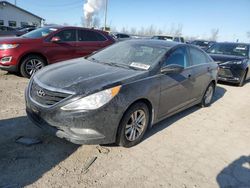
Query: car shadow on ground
{"type": "Point", "coordinates": [219, 93]}
{"type": "Point", "coordinates": [236, 174]}
{"type": "Point", "coordinates": [21, 165]}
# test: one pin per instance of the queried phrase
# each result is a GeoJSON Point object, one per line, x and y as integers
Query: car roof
{"type": "Point", "coordinates": [72, 27]}
{"type": "Point", "coordinates": [153, 42]}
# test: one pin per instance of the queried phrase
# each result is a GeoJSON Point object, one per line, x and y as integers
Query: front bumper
{"type": "Point", "coordinates": [93, 127]}
{"type": "Point", "coordinates": [227, 74]}
{"type": "Point", "coordinates": [9, 68]}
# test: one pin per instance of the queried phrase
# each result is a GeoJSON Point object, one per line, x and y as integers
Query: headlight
{"type": "Point", "coordinates": [237, 62]}
{"type": "Point", "coordinates": [93, 101]}
{"type": "Point", "coordinates": [232, 63]}
{"type": "Point", "coordinates": [8, 46]}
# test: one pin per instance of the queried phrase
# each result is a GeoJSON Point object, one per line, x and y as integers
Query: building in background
{"type": "Point", "coordinates": [13, 16]}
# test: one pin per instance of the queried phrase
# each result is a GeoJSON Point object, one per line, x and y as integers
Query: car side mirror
{"type": "Point", "coordinates": [174, 68]}
{"type": "Point", "coordinates": [55, 39]}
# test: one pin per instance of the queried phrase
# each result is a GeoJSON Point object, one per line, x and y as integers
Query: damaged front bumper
{"type": "Point", "coordinates": [90, 127]}
{"type": "Point", "coordinates": [228, 74]}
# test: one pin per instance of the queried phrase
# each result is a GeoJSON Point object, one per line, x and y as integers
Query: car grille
{"type": "Point", "coordinates": [225, 72]}
{"type": "Point", "coordinates": [46, 97]}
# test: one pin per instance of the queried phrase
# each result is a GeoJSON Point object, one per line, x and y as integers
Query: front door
{"type": "Point", "coordinates": [176, 87]}
{"type": "Point", "coordinates": [64, 49]}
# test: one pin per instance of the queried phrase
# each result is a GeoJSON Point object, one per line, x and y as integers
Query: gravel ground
{"type": "Point", "coordinates": [208, 147]}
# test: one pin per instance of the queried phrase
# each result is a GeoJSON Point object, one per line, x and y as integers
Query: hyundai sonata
{"type": "Point", "coordinates": [116, 94]}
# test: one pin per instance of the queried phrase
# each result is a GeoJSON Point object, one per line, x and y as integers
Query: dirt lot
{"type": "Point", "coordinates": [197, 148]}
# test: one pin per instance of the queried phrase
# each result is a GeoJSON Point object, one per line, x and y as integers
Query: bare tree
{"type": "Point", "coordinates": [214, 34]}
{"type": "Point", "coordinates": [133, 30]}
{"type": "Point", "coordinates": [248, 34]}
{"type": "Point", "coordinates": [141, 31]}
{"type": "Point", "coordinates": [159, 32]}
{"type": "Point", "coordinates": [124, 30]}
{"type": "Point", "coordinates": [178, 30]}
{"type": "Point", "coordinates": [151, 30]}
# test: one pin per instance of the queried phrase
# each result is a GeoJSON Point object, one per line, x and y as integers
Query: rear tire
{"type": "Point", "coordinates": [133, 125]}
{"type": "Point", "coordinates": [208, 95]}
{"type": "Point", "coordinates": [243, 78]}
{"type": "Point", "coordinates": [31, 64]}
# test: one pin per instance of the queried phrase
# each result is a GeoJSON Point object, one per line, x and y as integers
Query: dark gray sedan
{"type": "Point", "coordinates": [115, 95]}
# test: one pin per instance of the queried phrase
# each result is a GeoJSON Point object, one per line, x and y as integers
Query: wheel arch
{"type": "Point", "coordinates": [31, 53]}
{"type": "Point", "coordinates": [150, 108]}
{"type": "Point", "coordinates": [247, 71]}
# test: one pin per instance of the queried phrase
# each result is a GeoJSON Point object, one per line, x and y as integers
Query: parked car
{"type": "Point", "coordinates": [119, 92]}
{"type": "Point", "coordinates": [203, 44]}
{"type": "Point", "coordinates": [120, 36]}
{"type": "Point", "coordinates": [7, 31]}
{"type": "Point", "coordinates": [36, 49]}
{"type": "Point", "coordinates": [24, 30]}
{"type": "Point", "coordinates": [233, 60]}
{"type": "Point", "coordinates": [168, 38]}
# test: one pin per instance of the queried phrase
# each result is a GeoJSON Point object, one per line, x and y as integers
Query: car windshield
{"type": "Point", "coordinates": [130, 54]}
{"type": "Point", "coordinates": [39, 33]}
{"type": "Point", "coordinates": [229, 49]}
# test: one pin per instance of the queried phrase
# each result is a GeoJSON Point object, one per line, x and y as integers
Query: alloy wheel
{"type": "Point", "coordinates": [33, 65]}
{"type": "Point", "coordinates": [135, 125]}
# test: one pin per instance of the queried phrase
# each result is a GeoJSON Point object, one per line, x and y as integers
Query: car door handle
{"type": "Point", "coordinates": [209, 69]}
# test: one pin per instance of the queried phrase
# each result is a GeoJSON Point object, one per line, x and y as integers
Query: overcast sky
{"type": "Point", "coordinates": [198, 17]}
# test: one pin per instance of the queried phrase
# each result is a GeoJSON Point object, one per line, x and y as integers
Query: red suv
{"type": "Point", "coordinates": [34, 50]}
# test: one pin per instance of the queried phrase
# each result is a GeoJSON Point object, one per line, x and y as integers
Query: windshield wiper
{"type": "Point", "coordinates": [114, 64]}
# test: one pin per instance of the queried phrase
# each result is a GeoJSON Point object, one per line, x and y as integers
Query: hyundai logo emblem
{"type": "Point", "coordinates": [40, 93]}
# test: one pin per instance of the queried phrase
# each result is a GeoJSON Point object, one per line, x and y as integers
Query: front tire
{"type": "Point", "coordinates": [133, 125]}
{"type": "Point", "coordinates": [31, 64]}
{"type": "Point", "coordinates": [208, 96]}
{"type": "Point", "coordinates": [243, 78]}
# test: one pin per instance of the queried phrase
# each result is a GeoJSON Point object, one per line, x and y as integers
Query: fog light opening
{"type": "Point", "coordinates": [6, 60]}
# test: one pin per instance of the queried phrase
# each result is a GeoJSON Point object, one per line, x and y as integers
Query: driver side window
{"type": "Point", "coordinates": [68, 35]}
{"type": "Point", "coordinates": [178, 57]}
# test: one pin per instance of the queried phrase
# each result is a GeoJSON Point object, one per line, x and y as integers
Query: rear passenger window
{"type": "Point", "coordinates": [178, 57]}
{"type": "Point", "coordinates": [198, 57]}
{"type": "Point", "coordinates": [85, 35]}
{"type": "Point", "coordinates": [68, 35]}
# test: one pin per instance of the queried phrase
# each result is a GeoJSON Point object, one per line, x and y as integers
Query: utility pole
{"type": "Point", "coordinates": [106, 12]}
{"type": "Point", "coordinates": [15, 2]}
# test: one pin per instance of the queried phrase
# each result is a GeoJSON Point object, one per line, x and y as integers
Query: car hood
{"type": "Point", "coordinates": [84, 77]}
{"type": "Point", "coordinates": [16, 40]}
{"type": "Point", "coordinates": [219, 58]}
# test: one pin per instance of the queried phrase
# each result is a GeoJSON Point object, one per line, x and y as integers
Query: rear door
{"type": "Point", "coordinates": [89, 41]}
{"type": "Point", "coordinates": [64, 49]}
{"type": "Point", "coordinates": [176, 88]}
{"type": "Point", "coordinates": [202, 71]}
